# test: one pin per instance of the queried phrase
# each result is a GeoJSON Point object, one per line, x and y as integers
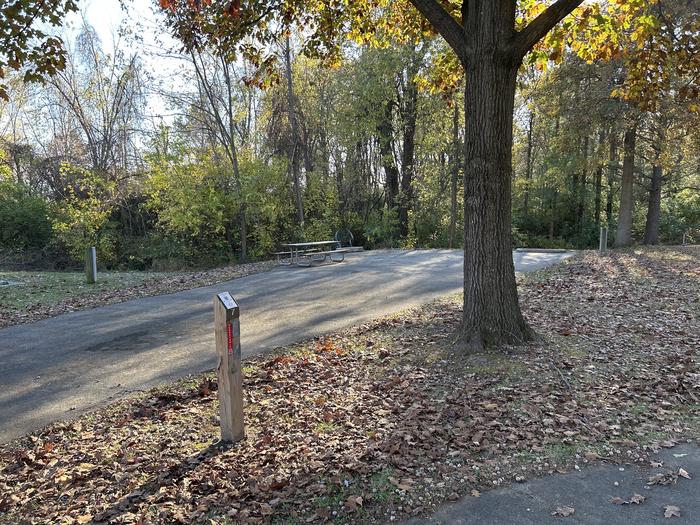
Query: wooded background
{"type": "Point", "coordinates": [606, 133]}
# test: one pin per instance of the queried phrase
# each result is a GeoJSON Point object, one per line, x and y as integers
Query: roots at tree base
{"type": "Point", "coordinates": [474, 340]}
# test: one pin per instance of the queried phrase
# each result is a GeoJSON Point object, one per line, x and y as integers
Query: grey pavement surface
{"type": "Point", "coordinates": [589, 492]}
{"type": "Point", "coordinates": [61, 367]}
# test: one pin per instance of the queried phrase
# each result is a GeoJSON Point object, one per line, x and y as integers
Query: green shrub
{"type": "Point", "coordinates": [25, 218]}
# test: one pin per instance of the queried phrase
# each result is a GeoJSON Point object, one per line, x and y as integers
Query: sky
{"type": "Point", "coordinates": [106, 16]}
{"type": "Point", "coordinates": [145, 36]}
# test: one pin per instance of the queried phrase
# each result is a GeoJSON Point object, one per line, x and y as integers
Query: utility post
{"type": "Point", "coordinates": [603, 244]}
{"type": "Point", "coordinates": [91, 265]}
{"type": "Point", "coordinates": [228, 348]}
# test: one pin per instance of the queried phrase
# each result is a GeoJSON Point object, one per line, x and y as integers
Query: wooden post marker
{"type": "Point", "coordinates": [91, 265]}
{"type": "Point", "coordinates": [228, 347]}
{"type": "Point", "coordinates": [603, 244]}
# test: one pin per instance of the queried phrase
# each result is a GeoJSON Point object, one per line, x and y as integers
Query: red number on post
{"type": "Point", "coordinates": [229, 331]}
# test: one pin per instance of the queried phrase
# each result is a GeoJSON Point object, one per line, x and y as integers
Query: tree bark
{"type": "Point", "coordinates": [623, 236]}
{"type": "Point", "coordinates": [409, 118]}
{"type": "Point", "coordinates": [391, 172]}
{"type": "Point", "coordinates": [552, 212]}
{"type": "Point", "coordinates": [651, 229]}
{"type": "Point", "coordinates": [296, 139]}
{"type": "Point", "coordinates": [581, 204]}
{"type": "Point", "coordinates": [453, 175]}
{"type": "Point", "coordinates": [598, 184]}
{"type": "Point", "coordinates": [492, 315]}
{"type": "Point", "coordinates": [612, 167]}
{"type": "Point", "coordinates": [528, 165]}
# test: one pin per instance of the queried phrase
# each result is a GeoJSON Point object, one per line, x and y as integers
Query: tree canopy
{"type": "Point", "coordinates": [26, 44]}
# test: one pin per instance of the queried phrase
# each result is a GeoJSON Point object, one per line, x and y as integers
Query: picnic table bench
{"type": "Point", "coordinates": [306, 253]}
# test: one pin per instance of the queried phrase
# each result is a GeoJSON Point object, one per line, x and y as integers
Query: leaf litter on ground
{"type": "Point", "coordinates": [385, 420]}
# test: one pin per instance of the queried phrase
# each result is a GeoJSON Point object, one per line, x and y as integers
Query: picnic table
{"type": "Point", "coordinates": [305, 253]}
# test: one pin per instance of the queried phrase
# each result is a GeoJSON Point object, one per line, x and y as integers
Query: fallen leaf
{"type": "Point", "coordinates": [665, 478]}
{"type": "Point", "coordinates": [684, 473]}
{"type": "Point", "coordinates": [637, 499]}
{"type": "Point", "coordinates": [672, 510]}
{"type": "Point", "coordinates": [353, 502]}
{"type": "Point", "coordinates": [475, 493]}
{"type": "Point", "coordinates": [563, 511]}
{"type": "Point", "coordinates": [617, 500]}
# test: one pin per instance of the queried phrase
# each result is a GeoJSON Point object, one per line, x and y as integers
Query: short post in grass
{"type": "Point", "coordinates": [91, 265]}
{"type": "Point", "coordinates": [603, 244]}
{"type": "Point", "coordinates": [228, 347]}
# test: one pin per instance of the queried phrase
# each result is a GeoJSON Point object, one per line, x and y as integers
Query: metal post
{"type": "Point", "coordinates": [91, 265]}
{"type": "Point", "coordinates": [603, 244]}
{"type": "Point", "coordinates": [228, 347]}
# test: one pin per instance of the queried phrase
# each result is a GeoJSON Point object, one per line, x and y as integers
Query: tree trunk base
{"type": "Point", "coordinates": [473, 341]}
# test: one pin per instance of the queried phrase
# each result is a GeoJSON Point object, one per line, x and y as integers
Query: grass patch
{"type": "Point", "coordinates": [46, 288]}
{"type": "Point", "coordinates": [46, 294]}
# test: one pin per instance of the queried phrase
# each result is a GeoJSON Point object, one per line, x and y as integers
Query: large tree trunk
{"type": "Point", "coordinates": [651, 230]}
{"type": "Point", "coordinates": [491, 52]}
{"type": "Point", "coordinates": [492, 315]}
{"type": "Point", "coordinates": [623, 236]}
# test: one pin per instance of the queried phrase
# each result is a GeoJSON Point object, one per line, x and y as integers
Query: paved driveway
{"type": "Point", "coordinates": [64, 366]}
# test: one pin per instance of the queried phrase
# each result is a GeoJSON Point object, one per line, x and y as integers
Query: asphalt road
{"type": "Point", "coordinates": [588, 492]}
{"type": "Point", "coordinates": [65, 366]}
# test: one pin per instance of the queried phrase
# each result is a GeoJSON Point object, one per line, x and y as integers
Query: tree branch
{"type": "Point", "coordinates": [525, 40]}
{"type": "Point", "coordinates": [444, 24]}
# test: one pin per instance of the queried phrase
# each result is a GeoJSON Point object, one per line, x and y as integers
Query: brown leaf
{"type": "Point", "coordinates": [279, 484]}
{"type": "Point", "coordinates": [617, 500]}
{"type": "Point", "coordinates": [672, 510]}
{"type": "Point", "coordinates": [637, 499]}
{"type": "Point", "coordinates": [665, 478]}
{"type": "Point", "coordinates": [353, 502]}
{"type": "Point", "coordinates": [475, 493]}
{"type": "Point", "coordinates": [563, 511]}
